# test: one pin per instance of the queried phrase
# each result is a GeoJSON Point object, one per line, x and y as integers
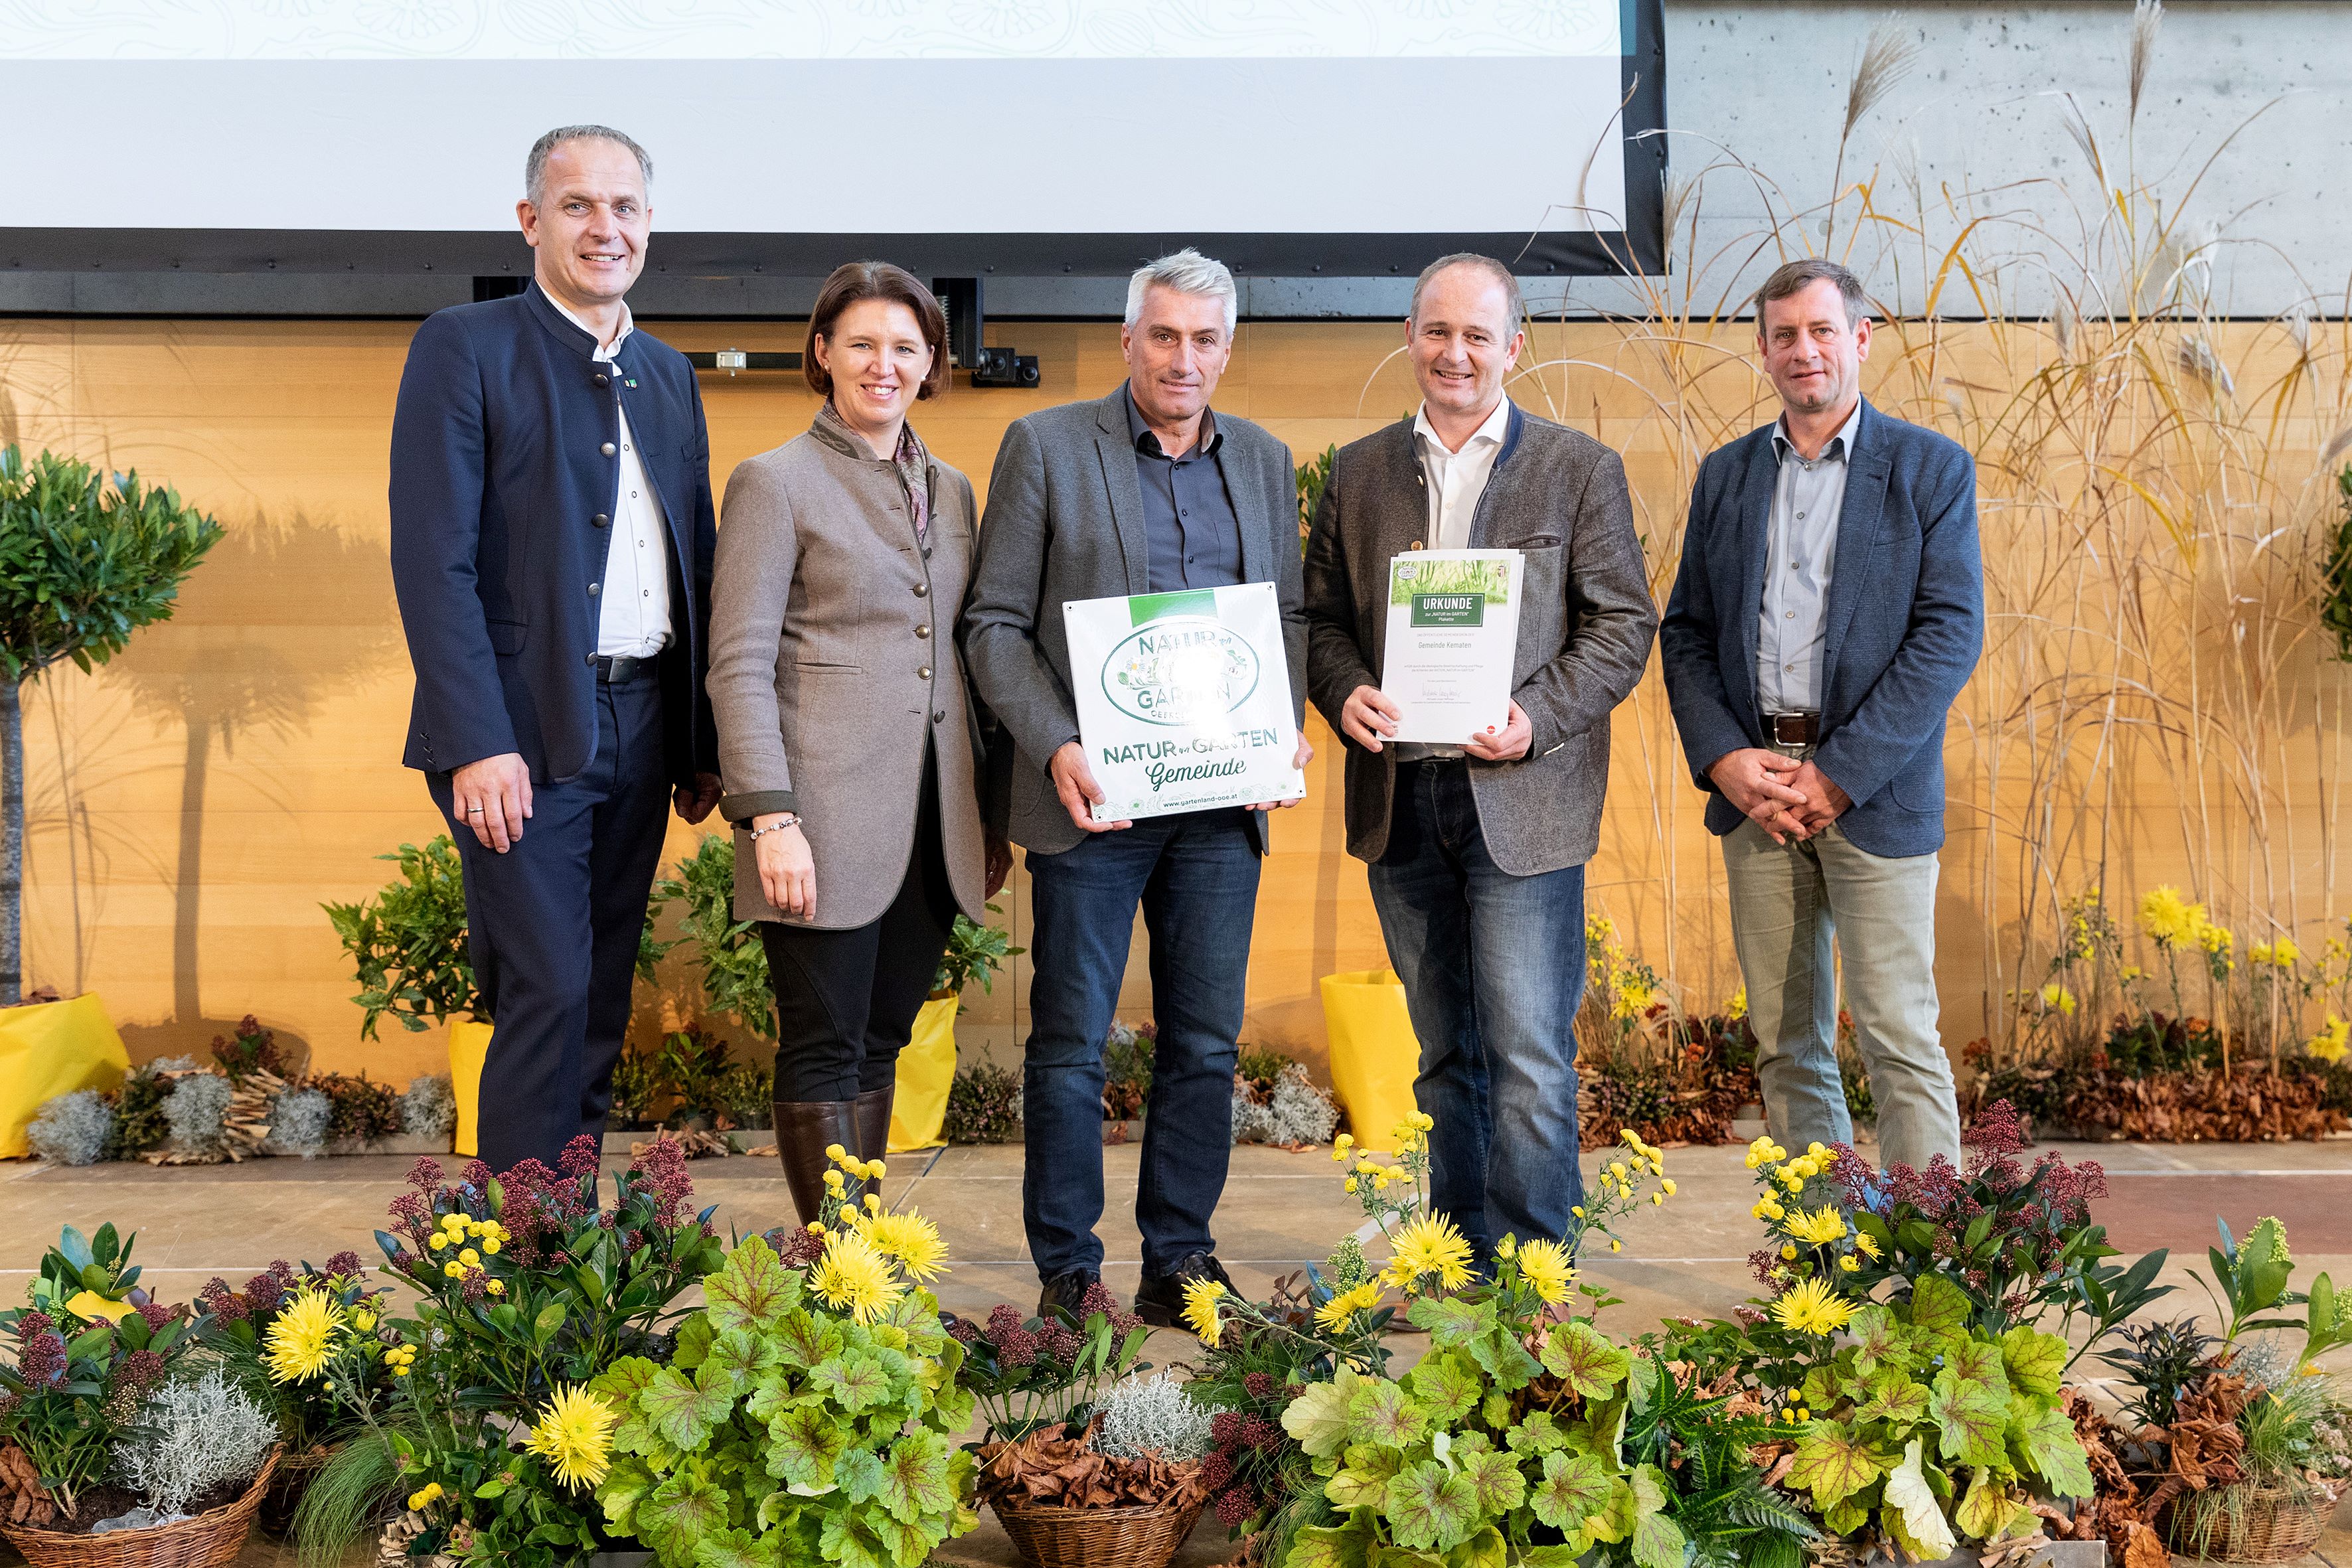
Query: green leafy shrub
{"type": "Point", "coordinates": [974, 953]}
{"type": "Point", "coordinates": [408, 942]}
{"type": "Point", "coordinates": [734, 964]}
{"type": "Point", "coordinates": [141, 1122]}
{"type": "Point", "coordinates": [253, 1050]}
{"type": "Point", "coordinates": [364, 1109]}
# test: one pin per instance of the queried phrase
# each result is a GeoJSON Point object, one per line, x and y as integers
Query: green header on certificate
{"type": "Point", "coordinates": [1449, 609]}
{"type": "Point", "coordinates": [1145, 608]}
{"type": "Point", "coordinates": [1486, 577]}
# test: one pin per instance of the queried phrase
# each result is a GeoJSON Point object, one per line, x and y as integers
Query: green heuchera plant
{"type": "Point", "coordinates": [783, 1431]}
{"type": "Point", "coordinates": [1478, 1449]}
{"type": "Point", "coordinates": [1941, 1431]}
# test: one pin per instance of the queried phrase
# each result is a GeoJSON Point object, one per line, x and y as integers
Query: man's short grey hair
{"type": "Point", "coordinates": [1793, 277]}
{"type": "Point", "coordinates": [1486, 264]}
{"type": "Point", "coordinates": [534, 168]}
{"type": "Point", "coordinates": [1187, 271]}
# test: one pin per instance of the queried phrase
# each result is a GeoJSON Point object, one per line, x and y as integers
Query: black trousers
{"type": "Point", "coordinates": [846, 1000]}
{"type": "Point", "coordinates": [552, 925]}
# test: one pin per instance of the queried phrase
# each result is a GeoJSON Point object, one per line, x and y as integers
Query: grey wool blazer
{"type": "Point", "coordinates": [1064, 520]}
{"type": "Point", "coordinates": [831, 658]}
{"type": "Point", "coordinates": [1585, 621]}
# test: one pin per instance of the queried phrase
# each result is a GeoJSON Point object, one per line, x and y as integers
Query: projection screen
{"type": "Point", "coordinates": [1022, 136]}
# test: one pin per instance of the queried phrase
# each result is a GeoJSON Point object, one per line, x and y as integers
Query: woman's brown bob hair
{"type": "Point", "coordinates": [854, 280]}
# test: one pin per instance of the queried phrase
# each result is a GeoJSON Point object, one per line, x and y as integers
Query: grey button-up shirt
{"type": "Point", "coordinates": [1801, 550]}
{"type": "Point", "coordinates": [1188, 513]}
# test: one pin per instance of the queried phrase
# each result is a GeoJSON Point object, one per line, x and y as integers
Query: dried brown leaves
{"type": "Point", "coordinates": [2253, 1103]}
{"type": "Point", "coordinates": [23, 1498]}
{"type": "Point", "coordinates": [1047, 1469]}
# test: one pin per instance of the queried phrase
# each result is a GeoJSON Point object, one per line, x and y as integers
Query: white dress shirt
{"type": "Point", "coordinates": [1800, 550]}
{"type": "Point", "coordinates": [633, 614]}
{"type": "Point", "coordinates": [1456, 479]}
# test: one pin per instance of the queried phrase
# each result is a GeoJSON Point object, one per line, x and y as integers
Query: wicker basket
{"type": "Point", "coordinates": [1096, 1537]}
{"type": "Point", "coordinates": [210, 1540]}
{"type": "Point", "coordinates": [295, 1473]}
{"type": "Point", "coordinates": [2248, 1523]}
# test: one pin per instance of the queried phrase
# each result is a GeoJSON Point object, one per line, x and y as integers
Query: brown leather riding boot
{"type": "Point", "coordinates": [873, 1124]}
{"type": "Point", "coordinates": [804, 1129]}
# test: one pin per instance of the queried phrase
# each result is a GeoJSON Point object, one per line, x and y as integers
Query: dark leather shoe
{"type": "Point", "coordinates": [1160, 1300]}
{"type": "Point", "coordinates": [804, 1129]}
{"type": "Point", "coordinates": [1066, 1290]}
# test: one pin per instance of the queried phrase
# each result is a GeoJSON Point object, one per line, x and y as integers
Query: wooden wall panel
{"type": "Point", "coordinates": [193, 805]}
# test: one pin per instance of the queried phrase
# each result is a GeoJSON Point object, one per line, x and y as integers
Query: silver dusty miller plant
{"type": "Point", "coordinates": [1153, 1414]}
{"type": "Point", "coordinates": [298, 1120]}
{"type": "Point", "coordinates": [1297, 1111]}
{"type": "Point", "coordinates": [198, 1113]}
{"type": "Point", "coordinates": [194, 1436]}
{"type": "Point", "coordinates": [429, 1107]}
{"type": "Point", "coordinates": [72, 1129]}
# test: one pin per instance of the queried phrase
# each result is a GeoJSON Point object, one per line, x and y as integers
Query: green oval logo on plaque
{"type": "Point", "coordinates": [1186, 669]}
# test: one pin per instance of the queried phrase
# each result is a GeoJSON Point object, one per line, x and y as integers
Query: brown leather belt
{"type": "Point", "coordinates": [1793, 729]}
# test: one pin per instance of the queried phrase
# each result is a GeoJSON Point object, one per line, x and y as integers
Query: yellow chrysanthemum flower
{"type": "Point", "coordinates": [424, 1496]}
{"type": "Point", "coordinates": [1849, 1263]}
{"type": "Point", "coordinates": [1200, 1298]}
{"type": "Point", "coordinates": [1334, 1314]}
{"type": "Point", "coordinates": [2057, 998]}
{"type": "Point", "coordinates": [1544, 1265]}
{"type": "Point", "coordinates": [851, 1276]}
{"type": "Point", "coordinates": [1666, 1185]}
{"type": "Point", "coordinates": [1867, 1245]}
{"type": "Point", "coordinates": [469, 1258]}
{"type": "Point", "coordinates": [1788, 1253]}
{"type": "Point", "coordinates": [575, 1436]}
{"type": "Point", "coordinates": [302, 1338]}
{"type": "Point", "coordinates": [1737, 1008]}
{"type": "Point", "coordinates": [1818, 1228]}
{"type": "Point", "coordinates": [2330, 1044]}
{"type": "Point", "coordinates": [2169, 919]}
{"type": "Point", "coordinates": [440, 1239]}
{"type": "Point", "coordinates": [910, 1238]}
{"type": "Point", "coordinates": [1811, 1307]}
{"type": "Point", "coordinates": [495, 1287]}
{"type": "Point", "coordinates": [1508, 1247]}
{"type": "Point", "coordinates": [1427, 1244]}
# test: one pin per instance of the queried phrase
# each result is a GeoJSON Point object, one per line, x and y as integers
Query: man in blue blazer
{"type": "Point", "coordinates": [1829, 608]}
{"type": "Point", "coordinates": [551, 536]}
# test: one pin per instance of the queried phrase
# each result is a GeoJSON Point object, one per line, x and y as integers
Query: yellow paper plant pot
{"type": "Point", "coordinates": [1374, 1054]}
{"type": "Point", "coordinates": [51, 1049]}
{"type": "Point", "coordinates": [925, 1068]}
{"type": "Point", "coordinates": [469, 1046]}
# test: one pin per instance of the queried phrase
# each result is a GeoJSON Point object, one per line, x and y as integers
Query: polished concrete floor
{"type": "Point", "coordinates": [1280, 1210]}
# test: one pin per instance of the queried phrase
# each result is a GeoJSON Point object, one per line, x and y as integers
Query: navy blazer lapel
{"type": "Point", "coordinates": [1117, 453]}
{"type": "Point", "coordinates": [1756, 481]}
{"type": "Point", "coordinates": [1858, 519]}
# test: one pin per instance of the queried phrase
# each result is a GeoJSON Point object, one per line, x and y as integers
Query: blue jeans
{"type": "Point", "coordinates": [1492, 966]}
{"type": "Point", "coordinates": [1195, 876]}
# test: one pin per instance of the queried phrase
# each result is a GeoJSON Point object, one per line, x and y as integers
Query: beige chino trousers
{"type": "Point", "coordinates": [1790, 902]}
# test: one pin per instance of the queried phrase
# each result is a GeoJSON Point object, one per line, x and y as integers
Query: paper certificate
{"type": "Point", "coordinates": [1452, 634]}
{"type": "Point", "coordinates": [1183, 699]}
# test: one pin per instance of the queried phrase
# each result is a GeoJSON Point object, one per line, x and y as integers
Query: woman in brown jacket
{"type": "Point", "coordinates": [846, 738]}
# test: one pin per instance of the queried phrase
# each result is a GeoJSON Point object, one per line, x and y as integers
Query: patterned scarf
{"type": "Point", "coordinates": [912, 461]}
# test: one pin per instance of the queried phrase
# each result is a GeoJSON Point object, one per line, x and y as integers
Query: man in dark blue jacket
{"type": "Point", "coordinates": [551, 536]}
{"type": "Point", "coordinates": [1829, 608]}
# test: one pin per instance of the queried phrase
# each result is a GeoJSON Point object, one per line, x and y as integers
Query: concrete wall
{"type": "Point", "coordinates": [1981, 116]}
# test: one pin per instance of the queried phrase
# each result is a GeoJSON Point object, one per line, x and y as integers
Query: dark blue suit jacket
{"type": "Point", "coordinates": [502, 497]}
{"type": "Point", "coordinates": [1906, 624]}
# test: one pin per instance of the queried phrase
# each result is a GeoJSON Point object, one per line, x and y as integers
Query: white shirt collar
{"type": "Point", "coordinates": [628, 325]}
{"type": "Point", "coordinates": [1782, 447]}
{"type": "Point", "coordinates": [1492, 431]}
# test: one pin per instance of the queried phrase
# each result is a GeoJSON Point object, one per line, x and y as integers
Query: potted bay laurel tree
{"type": "Point", "coordinates": [86, 559]}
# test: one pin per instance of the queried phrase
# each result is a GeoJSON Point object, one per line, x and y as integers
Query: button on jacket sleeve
{"type": "Point", "coordinates": [439, 442]}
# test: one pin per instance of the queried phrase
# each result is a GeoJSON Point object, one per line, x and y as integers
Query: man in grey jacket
{"type": "Point", "coordinates": [1144, 491]}
{"type": "Point", "coordinates": [1477, 849]}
